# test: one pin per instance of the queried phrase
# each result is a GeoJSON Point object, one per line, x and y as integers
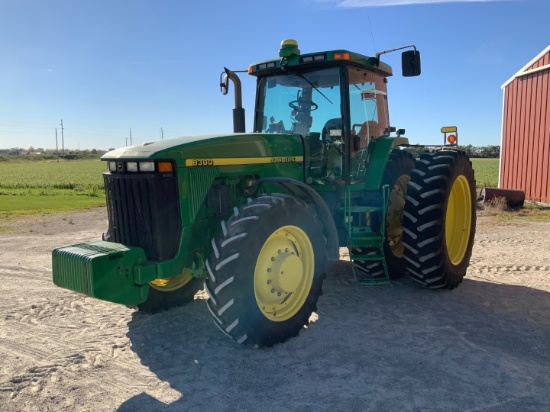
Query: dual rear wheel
{"type": "Point", "coordinates": [430, 220]}
{"type": "Point", "coordinates": [439, 219]}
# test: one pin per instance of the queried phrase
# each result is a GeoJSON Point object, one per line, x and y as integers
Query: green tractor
{"type": "Point", "coordinates": [256, 218]}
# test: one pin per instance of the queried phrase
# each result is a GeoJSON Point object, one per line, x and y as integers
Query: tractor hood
{"type": "Point", "coordinates": [237, 145]}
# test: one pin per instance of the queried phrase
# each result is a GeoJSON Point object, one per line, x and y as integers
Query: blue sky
{"type": "Point", "coordinates": [107, 66]}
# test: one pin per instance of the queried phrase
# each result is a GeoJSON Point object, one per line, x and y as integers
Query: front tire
{"type": "Point", "coordinates": [266, 270]}
{"type": "Point", "coordinates": [171, 292]}
{"type": "Point", "coordinates": [439, 219]}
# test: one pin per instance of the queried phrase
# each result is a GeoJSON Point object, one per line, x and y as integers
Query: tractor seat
{"type": "Point", "coordinates": [332, 124]}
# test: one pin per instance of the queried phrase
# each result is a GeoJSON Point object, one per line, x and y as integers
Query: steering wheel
{"type": "Point", "coordinates": [295, 105]}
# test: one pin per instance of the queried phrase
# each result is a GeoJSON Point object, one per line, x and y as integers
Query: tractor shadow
{"type": "Point", "coordinates": [400, 347]}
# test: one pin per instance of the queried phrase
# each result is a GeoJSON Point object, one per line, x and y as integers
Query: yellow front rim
{"type": "Point", "coordinates": [173, 283]}
{"type": "Point", "coordinates": [284, 273]}
{"type": "Point", "coordinates": [394, 215]}
{"type": "Point", "coordinates": [458, 220]}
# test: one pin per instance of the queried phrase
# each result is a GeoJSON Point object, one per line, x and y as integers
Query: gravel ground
{"type": "Point", "coordinates": [482, 347]}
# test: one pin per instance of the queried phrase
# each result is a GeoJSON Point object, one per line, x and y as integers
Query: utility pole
{"type": "Point", "coordinates": [131, 136]}
{"type": "Point", "coordinates": [126, 142]}
{"type": "Point", "coordinates": [62, 140]}
{"type": "Point", "coordinates": [56, 145]}
{"type": "Point", "coordinates": [161, 133]}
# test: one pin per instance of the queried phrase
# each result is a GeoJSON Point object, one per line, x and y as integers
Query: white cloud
{"type": "Point", "coordinates": [383, 3]}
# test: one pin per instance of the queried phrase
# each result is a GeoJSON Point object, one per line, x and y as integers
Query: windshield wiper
{"type": "Point", "coordinates": [285, 68]}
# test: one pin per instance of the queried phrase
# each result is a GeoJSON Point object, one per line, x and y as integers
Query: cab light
{"type": "Point", "coordinates": [146, 166]}
{"type": "Point", "coordinates": [165, 167]}
{"type": "Point", "coordinates": [341, 56]}
{"type": "Point", "coordinates": [132, 166]}
{"type": "Point", "coordinates": [315, 58]}
{"type": "Point", "coordinates": [112, 166]}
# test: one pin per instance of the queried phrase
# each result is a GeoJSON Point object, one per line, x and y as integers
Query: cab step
{"type": "Point", "coordinates": [364, 243]}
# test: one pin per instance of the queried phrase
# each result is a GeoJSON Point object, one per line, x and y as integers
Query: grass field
{"type": "Point", "coordinates": [50, 186]}
{"type": "Point", "coordinates": [486, 171]}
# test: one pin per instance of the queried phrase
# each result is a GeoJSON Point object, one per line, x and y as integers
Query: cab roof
{"type": "Point", "coordinates": [290, 57]}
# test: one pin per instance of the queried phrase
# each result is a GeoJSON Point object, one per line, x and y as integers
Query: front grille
{"type": "Point", "coordinates": [143, 211]}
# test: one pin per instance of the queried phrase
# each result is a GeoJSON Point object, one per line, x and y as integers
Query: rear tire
{"type": "Point", "coordinates": [439, 219]}
{"type": "Point", "coordinates": [266, 270]}
{"type": "Point", "coordinates": [396, 175]}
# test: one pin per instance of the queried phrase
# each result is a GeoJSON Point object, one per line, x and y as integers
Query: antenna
{"type": "Point", "coordinates": [371, 34]}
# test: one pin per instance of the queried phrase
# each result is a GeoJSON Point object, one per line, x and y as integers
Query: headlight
{"type": "Point", "coordinates": [112, 166]}
{"type": "Point", "coordinates": [146, 166]}
{"type": "Point", "coordinates": [131, 167]}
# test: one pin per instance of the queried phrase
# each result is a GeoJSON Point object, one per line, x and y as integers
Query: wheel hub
{"type": "Point", "coordinates": [458, 220]}
{"type": "Point", "coordinates": [284, 273]}
{"type": "Point", "coordinates": [287, 272]}
{"type": "Point", "coordinates": [394, 216]}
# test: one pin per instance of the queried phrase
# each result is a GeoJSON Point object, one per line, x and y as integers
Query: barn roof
{"type": "Point", "coordinates": [523, 71]}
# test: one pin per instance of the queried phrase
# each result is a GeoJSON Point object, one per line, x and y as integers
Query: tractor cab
{"type": "Point", "coordinates": [337, 102]}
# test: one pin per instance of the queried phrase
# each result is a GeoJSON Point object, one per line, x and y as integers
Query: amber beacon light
{"type": "Point", "coordinates": [450, 134]}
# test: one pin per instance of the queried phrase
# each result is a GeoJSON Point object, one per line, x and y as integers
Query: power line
{"type": "Point", "coordinates": [62, 140]}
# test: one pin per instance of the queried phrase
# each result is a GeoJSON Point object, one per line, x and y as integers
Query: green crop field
{"type": "Point", "coordinates": [49, 186]}
{"type": "Point", "coordinates": [486, 171]}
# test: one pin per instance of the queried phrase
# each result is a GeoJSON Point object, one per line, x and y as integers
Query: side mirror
{"type": "Point", "coordinates": [410, 63]}
{"type": "Point", "coordinates": [356, 143]}
{"type": "Point", "coordinates": [224, 83]}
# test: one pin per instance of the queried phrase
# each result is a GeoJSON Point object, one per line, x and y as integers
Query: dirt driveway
{"type": "Point", "coordinates": [482, 347]}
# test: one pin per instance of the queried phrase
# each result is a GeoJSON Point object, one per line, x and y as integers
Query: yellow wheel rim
{"type": "Point", "coordinates": [173, 283]}
{"type": "Point", "coordinates": [394, 216]}
{"type": "Point", "coordinates": [284, 273]}
{"type": "Point", "coordinates": [458, 220]}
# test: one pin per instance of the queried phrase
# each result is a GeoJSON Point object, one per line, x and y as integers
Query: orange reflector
{"type": "Point", "coordinates": [341, 56]}
{"type": "Point", "coordinates": [451, 138]}
{"type": "Point", "coordinates": [164, 167]}
{"type": "Point", "coordinates": [250, 69]}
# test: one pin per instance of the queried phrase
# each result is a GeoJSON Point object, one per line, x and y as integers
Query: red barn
{"type": "Point", "coordinates": [525, 140]}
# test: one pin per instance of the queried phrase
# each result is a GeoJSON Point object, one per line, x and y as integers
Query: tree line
{"type": "Point", "coordinates": [47, 154]}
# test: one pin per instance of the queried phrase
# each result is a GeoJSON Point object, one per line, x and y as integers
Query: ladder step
{"type": "Point", "coordinates": [370, 280]}
{"type": "Point", "coordinates": [366, 258]}
{"type": "Point", "coordinates": [365, 209]}
{"type": "Point", "coordinates": [361, 243]}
